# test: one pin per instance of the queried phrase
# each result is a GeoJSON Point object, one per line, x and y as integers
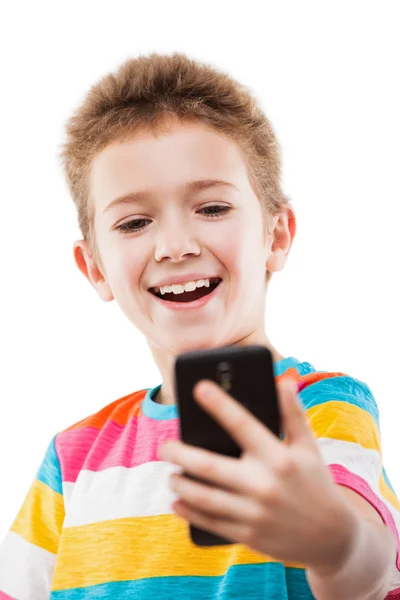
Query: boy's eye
{"type": "Point", "coordinates": [131, 225]}
{"type": "Point", "coordinates": [221, 210]}
{"type": "Point", "coordinates": [134, 226]}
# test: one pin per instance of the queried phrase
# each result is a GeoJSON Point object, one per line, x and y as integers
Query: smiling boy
{"type": "Point", "coordinates": [175, 172]}
{"type": "Point", "coordinates": [205, 223]}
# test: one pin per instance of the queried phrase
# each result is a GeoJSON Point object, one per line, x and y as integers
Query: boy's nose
{"type": "Point", "coordinates": [175, 244]}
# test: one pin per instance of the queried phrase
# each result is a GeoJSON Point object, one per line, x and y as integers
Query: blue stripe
{"type": "Point", "coordinates": [158, 412]}
{"type": "Point", "coordinates": [341, 388]}
{"type": "Point", "coordinates": [292, 363]}
{"type": "Point", "coordinates": [386, 478]}
{"type": "Point", "coordinates": [50, 470]}
{"type": "Point", "coordinates": [250, 582]}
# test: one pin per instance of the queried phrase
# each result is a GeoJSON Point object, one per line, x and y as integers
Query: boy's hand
{"type": "Point", "coordinates": [278, 498]}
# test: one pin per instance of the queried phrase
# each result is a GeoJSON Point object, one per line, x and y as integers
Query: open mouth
{"type": "Point", "coordinates": [188, 296]}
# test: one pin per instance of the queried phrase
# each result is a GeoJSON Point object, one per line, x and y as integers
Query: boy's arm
{"type": "Point", "coordinates": [344, 416]}
{"type": "Point", "coordinates": [29, 551]}
{"type": "Point", "coordinates": [366, 573]}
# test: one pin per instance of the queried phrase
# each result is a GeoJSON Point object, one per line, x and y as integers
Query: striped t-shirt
{"type": "Point", "coordinates": [97, 521]}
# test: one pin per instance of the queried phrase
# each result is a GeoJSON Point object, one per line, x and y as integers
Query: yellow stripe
{"type": "Point", "coordinates": [344, 421]}
{"type": "Point", "coordinates": [41, 516]}
{"type": "Point", "coordinates": [134, 548]}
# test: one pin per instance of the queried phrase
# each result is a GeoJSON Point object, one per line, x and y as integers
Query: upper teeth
{"type": "Point", "coordinates": [189, 286]}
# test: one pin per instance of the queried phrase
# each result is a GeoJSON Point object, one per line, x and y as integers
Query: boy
{"type": "Point", "coordinates": [175, 172]}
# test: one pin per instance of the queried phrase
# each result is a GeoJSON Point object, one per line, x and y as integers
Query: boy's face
{"type": "Point", "coordinates": [178, 238]}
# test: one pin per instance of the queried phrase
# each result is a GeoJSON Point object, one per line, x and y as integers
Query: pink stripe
{"type": "Point", "coordinates": [115, 445]}
{"type": "Point", "coordinates": [72, 448]}
{"type": "Point", "coordinates": [4, 596]}
{"type": "Point", "coordinates": [301, 385]}
{"type": "Point", "coordinates": [394, 595]}
{"type": "Point", "coordinates": [345, 477]}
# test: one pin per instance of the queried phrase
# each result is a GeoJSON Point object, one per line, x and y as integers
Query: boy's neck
{"type": "Point", "coordinates": [164, 398]}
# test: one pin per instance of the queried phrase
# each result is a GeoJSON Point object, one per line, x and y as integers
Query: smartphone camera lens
{"type": "Point", "coordinates": [224, 367]}
{"type": "Point", "coordinates": [224, 371]}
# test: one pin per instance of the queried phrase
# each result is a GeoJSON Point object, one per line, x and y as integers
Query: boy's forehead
{"type": "Point", "coordinates": [169, 162]}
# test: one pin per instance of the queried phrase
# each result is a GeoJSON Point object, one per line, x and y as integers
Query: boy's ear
{"type": "Point", "coordinates": [282, 236]}
{"type": "Point", "coordinates": [87, 265]}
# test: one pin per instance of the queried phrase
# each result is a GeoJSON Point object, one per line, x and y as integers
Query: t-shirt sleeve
{"type": "Point", "coordinates": [28, 552]}
{"type": "Point", "coordinates": [344, 416]}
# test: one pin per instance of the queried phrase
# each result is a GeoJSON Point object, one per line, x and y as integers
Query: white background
{"type": "Point", "coordinates": [327, 75]}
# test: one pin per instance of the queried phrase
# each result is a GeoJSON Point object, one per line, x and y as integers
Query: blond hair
{"type": "Point", "coordinates": [142, 95]}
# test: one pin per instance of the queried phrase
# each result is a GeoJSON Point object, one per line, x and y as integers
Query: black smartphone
{"type": "Point", "coordinates": [244, 372]}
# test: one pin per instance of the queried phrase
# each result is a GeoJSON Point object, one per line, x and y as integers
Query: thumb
{"type": "Point", "coordinates": [294, 420]}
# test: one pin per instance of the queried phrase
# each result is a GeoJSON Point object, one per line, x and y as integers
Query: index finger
{"type": "Point", "coordinates": [249, 433]}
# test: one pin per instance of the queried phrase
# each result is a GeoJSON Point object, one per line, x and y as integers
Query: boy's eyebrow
{"type": "Point", "coordinates": [191, 186]}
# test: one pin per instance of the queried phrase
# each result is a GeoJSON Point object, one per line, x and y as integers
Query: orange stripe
{"type": "Point", "coordinates": [121, 411]}
{"type": "Point", "coordinates": [307, 380]}
{"type": "Point", "coordinates": [315, 377]}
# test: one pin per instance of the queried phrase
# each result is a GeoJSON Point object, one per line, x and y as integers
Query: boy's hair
{"type": "Point", "coordinates": [145, 94]}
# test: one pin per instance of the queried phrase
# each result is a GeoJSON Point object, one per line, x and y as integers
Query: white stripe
{"type": "Point", "coordinates": [26, 571]}
{"type": "Point", "coordinates": [67, 491]}
{"type": "Point", "coordinates": [119, 492]}
{"type": "Point", "coordinates": [364, 462]}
